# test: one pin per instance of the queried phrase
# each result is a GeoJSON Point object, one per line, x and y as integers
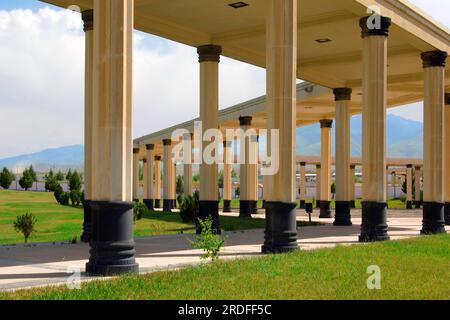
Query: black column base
{"type": "Point", "coordinates": [246, 208]}
{"type": "Point", "coordinates": [417, 204]}
{"type": "Point", "coordinates": [343, 216]}
{"type": "Point", "coordinates": [174, 204]}
{"type": "Point", "coordinates": [87, 221]}
{"type": "Point", "coordinates": [112, 242]}
{"type": "Point", "coordinates": [281, 227]}
{"type": "Point", "coordinates": [149, 204]}
{"type": "Point", "coordinates": [302, 204]}
{"type": "Point", "coordinates": [374, 222]}
{"type": "Point", "coordinates": [255, 207]}
{"type": "Point", "coordinates": [325, 209]}
{"type": "Point", "coordinates": [209, 209]}
{"type": "Point", "coordinates": [157, 203]}
{"type": "Point", "coordinates": [447, 213]}
{"type": "Point", "coordinates": [352, 204]}
{"type": "Point", "coordinates": [409, 205]}
{"type": "Point", "coordinates": [227, 206]}
{"type": "Point", "coordinates": [433, 218]}
{"type": "Point", "coordinates": [167, 205]}
{"type": "Point", "coordinates": [263, 204]}
{"type": "Point", "coordinates": [317, 204]}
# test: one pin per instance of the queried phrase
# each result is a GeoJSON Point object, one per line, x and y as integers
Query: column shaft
{"type": "Point", "coordinates": [417, 187]}
{"type": "Point", "coordinates": [227, 176]}
{"type": "Point", "coordinates": [302, 185]}
{"type": "Point", "coordinates": [351, 183]}
{"type": "Point", "coordinates": [325, 174]}
{"type": "Point", "coordinates": [136, 174]}
{"type": "Point", "coordinates": [409, 187]}
{"type": "Point", "coordinates": [149, 173]}
{"type": "Point", "coordinates": [169, 180]}
{"type": "Point", "coordinates": [447, 160]}
{"type": "Point", "coordinates": [318, 180]}
{"type": "Point", "coordinates": [157, 194]}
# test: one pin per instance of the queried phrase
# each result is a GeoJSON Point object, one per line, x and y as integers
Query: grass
{"type": "Point", "coordinates": [410, 269]}
{"type": "Point", "coordinates": [62, 223]}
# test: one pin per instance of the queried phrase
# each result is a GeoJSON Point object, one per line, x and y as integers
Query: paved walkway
{"type": "Point", "coordinates": [44, 264]}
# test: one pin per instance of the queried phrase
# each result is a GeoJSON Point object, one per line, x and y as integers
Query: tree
{"type": "Point", "coordinates": [196, 178]}
{"type": "Point", "coordinates": [50, 181]}
{"type": "Point", "coordinates": [25, 224]}
{"type": "Point", "coordinates": [59, 176]}
{"type": "Point", "coordinates": [6, 178]}
{"type": "Point", "coordinates": [180, 186]}
{"type": "Point", "coordinates": [69, 175]}
{"type": "Point", "coordinates": [32, 173]}
{"type": "Point", "coordinates": [75, 181]}
{"type": "Point", "coordinates": [26, 181]}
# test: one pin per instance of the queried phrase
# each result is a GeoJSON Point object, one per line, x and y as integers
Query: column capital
{"type": "Point", "coordinates": [158, 158]}
{"type": "Point", "coordinates": [245, 121]}
{"type": "Point", "coordinates": [434, 58]}
{"type": "Point", "coordinates": [417, 168]}
{"type": "Point", "coordinates": [209, 52]}
{"type": "Point", "coordinates": [409, 166]}
{"type": "Point", "coordinates": [150, 146]}
{"type": "Point", "coordinates": [318, 166]}
{"type": "Point", "coordinates": [447, 98]}
{"type": "Point", "coordinates": [303, 164]}
{"type": "Point", "coordinates": [135, 150]}
{"type": "Point", "coordinates": [88, 19]}
{"type": "Point", "coordinates": [342, 94]}
{"type": "Point", "coordinates": [167, 142]}
{"type": "Point", "coordinates": [375, 25]}
{"type": "Point", "coordinates": [326, 123]}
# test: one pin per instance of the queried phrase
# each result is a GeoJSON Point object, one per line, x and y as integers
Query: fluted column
{"type": "Point", "coordinates": [351, 183]}
{"type": "Point", "coordinates": [248, 200]}
{"type": "Point", "coordinates": [136, 174]}
{"type": "Point", "coordinates": [227, 176]}
{"type": "Point", "coordinates": [417, 187]}
{"type": "Point", "coordinates": [342, 96]}
{"type": "Point", "coordinates": [318, 180]}
{"type": "Point", "coordinates": [325, 174]}
{"type": "Point", "coordinates": [374, 205]}
{"type": "Point", "coordinates": [209, 58]}
{"type": "Point", "coordinates": [434, 149]}
{"type": "Point", "coordinates": [281, 57]}
{"type": "Point", "coordinates": [302, 185]}
{"type": "Point", "coordinates": [168, 178]}
{"type": "Point", "coordinates": [157, 194]}
{"type": "Point", "coordinates": [149, 173]}
{"type": "Point", "coordinates": [187, 170]}
{"type": "Point", "coordinates": [88, 20]}
{"type": "Point", "coordinates": [112, 243]}
{"type": "Point", "coordinates": [447, 160]}
{"type": "Point", "coordinates": [409, 187]}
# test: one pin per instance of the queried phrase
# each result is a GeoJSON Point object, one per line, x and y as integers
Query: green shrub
{"type": "Point", "coordinates": [189, 208]}
{"type": "Point", "coordinates": [27, 179]}
{"type": "Point", "coordinates": [6, 178]}
{"type": "Point", "coordinates": [75, 181]}
{"type": "Point", "coordinates": [139, 210]}
{"type": "Point", "coordinates": [50, 181]}
{"type": "Point", "coordinates": [208, 240]}
{"type": "Point", "coordinates": [25, 225]}
{"type": "Point", "coordinates": [61, 196]}
{"type": "Point", "coordinates": [75, 198]}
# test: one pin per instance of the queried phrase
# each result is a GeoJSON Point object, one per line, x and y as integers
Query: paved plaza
{"type": "Point", "coordinates": [46, 264]}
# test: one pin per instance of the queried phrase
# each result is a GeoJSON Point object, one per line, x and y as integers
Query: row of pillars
{"type": "Point", "coordinates": [109, 144]}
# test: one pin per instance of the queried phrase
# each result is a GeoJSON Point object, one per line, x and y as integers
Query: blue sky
{"type": "Point", "coordinates": [43, 65]}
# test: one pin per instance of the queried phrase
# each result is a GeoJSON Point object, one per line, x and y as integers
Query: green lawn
{"type": "Point", "coordinates": [62, 223]}
{"type": "Point", "coordinates": [410, 269]}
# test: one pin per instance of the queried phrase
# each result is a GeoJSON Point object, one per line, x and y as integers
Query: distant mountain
{"type": "Point", "coordinates": [404, 139]}
{"type": "Point", "coordinates": [56, 158]}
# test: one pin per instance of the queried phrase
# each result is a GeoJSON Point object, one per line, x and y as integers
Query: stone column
{"type": "Point", "coordinates": [174, 186]}
{"type": "Point", "coordinates": [351, 183]}
{"type": "Point", "coordinates": [433, 162]}
{"type": "Point", "coordinates": [144, 176]}
{"type": "Point", "coordinates": [148, 196]}
{"type": "Point", "coordinates": [387, 186]}
{"type": "Point", "coordinates": [342, 96]}
{"type": "Point", "coordinates": [187, 175]}
{"type": "Point", "coordinates": [447, 160]}
{"type": "Point", "coordinates": [209, 58]}
{"type": "Point", "coordinates": [248, 198]}
{"type": "Point", "coordinates": [318, 179]}
{"type": "Point", "coordinates": [136, 174]}
{"type": "Point", "coordinates": [256, 177]}
{"type": "Point", "coordinates": [168, 196]}
{"type": "Point", "coordinates": [417, 186]}
{"type": "Point", "coordinates": [88, 20]}
{"type": "Point", "coordinates": [157, 194]}
{"type": "Point", "coordinates": [394, 182]}
{"type": "Point", "coordinates": [302, 185]}
{"type": "Point", "coordinates": [325, 174]}
{"type": "Point", "coordinates": [227, 178]}
{"type": "Point", "coordinates": [374, 206]}
{"type": "Point", "coordinates": [112, 243]}
{"type": "Point", "coordinates": [281, 57]}
{"type": "Point", "coordinates": [409, 186]}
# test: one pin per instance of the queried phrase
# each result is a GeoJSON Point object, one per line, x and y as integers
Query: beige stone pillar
{"type": "Point", "coordinates": [325, 174]}
{"type": "Point", "coordinates": [209, 58]}
{"type": "Point", "coordinates": [157, 194]}
{"type": "Point", "coordinates": [302, 185]}
{"type": "Point", "coordinates": [149, 173]}
{"type": "Point", "coordinates": [144, 176]}
{"type": "Point", "coordinates": [417, 187]}
{"type": "Point", "coordinates": [447, 159]}
{"type": "Point", "coordinates": [281, 57]}
{"type": "Point", "coordinates": [434, 148]}
{"type": "Point", "coordinates": [318, 180]}
{"type": "Point", "coordinates": [409, 187]}
{"type": "Point", "coordinates": [342, 96]}
{"type": "Point", "coordinates": [351, 183]}
{"type": "Point", "coordinates": [227, 176]}
{"type": "Point", "coordinates": [168, 177]}
{"type": "Point", "coordinates": [112, 244]}
{"type": "Point", "coordinates": [88, 20]}
{"type": "Point", "coordinates": [187, 169]}
{"type": "Point", "coordinates": [375, 30]}
{"type": "Point", "coordinates": [136, 174]}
